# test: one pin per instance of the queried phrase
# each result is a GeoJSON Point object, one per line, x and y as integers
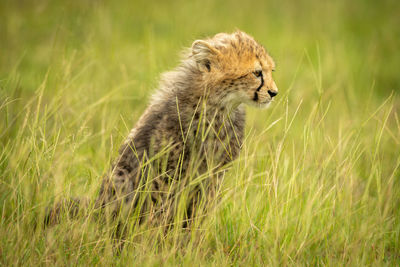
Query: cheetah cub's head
{"type": "Point", "coordinates": [235, 69]}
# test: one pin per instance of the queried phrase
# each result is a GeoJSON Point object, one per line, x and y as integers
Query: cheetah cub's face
{"type": "Point", "coordinates": [235, 69]}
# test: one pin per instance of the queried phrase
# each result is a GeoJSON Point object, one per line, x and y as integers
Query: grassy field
{"type": "Point", "coordinates": [318, 179]}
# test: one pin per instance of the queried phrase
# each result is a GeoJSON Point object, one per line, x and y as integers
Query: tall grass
{"type": "Point", "coordinates": [317, 181]}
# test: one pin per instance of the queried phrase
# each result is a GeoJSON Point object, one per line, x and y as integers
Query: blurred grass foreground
{"type": "Point", "coordinates": [317, 182]}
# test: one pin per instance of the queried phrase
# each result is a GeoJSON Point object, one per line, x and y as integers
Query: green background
{"type": "Point", "coordinates": [318, 178]}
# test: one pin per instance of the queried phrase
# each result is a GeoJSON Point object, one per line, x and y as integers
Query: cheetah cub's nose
{"type": "Point", "coordinates": [272, 93]}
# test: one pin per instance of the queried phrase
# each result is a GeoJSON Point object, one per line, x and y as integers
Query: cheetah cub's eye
{"type": "Point", "coordinates": [258, 73]}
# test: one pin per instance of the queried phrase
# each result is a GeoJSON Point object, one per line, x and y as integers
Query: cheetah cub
{"type": "Point", "coordinates": [170, 163]}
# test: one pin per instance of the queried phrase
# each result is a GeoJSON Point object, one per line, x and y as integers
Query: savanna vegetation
{"type": "Point", "coordinates": [318, 179]}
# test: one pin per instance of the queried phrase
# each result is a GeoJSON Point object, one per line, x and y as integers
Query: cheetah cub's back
{"type": "Point", "coordinates": [193, 125]}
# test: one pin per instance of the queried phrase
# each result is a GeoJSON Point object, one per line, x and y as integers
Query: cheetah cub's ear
{"type": "Point", "coordinates": [204, 54]}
